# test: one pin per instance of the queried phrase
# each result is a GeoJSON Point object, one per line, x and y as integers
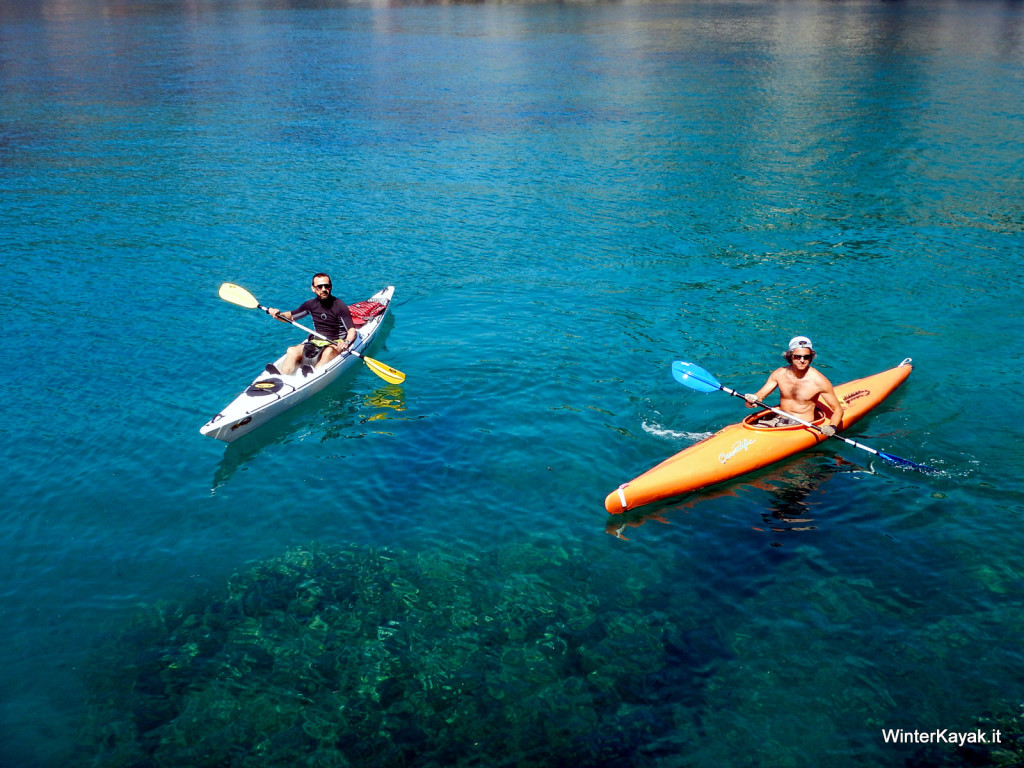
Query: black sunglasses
{"type": "Point", "coordinates": [322, 285]}
{"type": "Point", "coordinates": [803, 357]}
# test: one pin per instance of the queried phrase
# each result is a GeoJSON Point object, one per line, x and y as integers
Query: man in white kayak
{"type": "Point", "coordinates": [331, 318]}
{"type": "Point", "coordinates": [801, 388]}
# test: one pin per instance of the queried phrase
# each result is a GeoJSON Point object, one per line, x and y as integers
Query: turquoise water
{"type": "Point", "coordinates": [567, 199]}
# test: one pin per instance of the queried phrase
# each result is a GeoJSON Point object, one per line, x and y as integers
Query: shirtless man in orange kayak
{"type": "Point", "coordinates": [801, 387]}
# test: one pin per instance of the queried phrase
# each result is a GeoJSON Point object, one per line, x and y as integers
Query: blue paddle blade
{"type": "Point", "coordinates": [907, 463]}
{"type": "Point", "coordinates": [694, 377]}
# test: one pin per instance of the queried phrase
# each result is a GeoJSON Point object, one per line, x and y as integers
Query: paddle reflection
{"type": "Point", "coordinates": [390, 397]}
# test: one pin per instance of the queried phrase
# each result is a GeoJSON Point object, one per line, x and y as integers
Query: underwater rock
{"type": "Point", "coordinates": [371, 657]}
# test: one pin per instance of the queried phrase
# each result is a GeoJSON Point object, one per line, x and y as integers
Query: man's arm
{"type": "Point", "coordinates": [350, 338]}
{"type": "Point", "coordinates": [763, 392]}
{"type": "Point", "coordinates": [274, 312]}
{"type": "Point", "coordinates": [829, 397]}
{"type": "Point", "coordinates": [286, 317]}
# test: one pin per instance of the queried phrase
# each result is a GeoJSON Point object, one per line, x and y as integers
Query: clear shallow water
{"type": "Point", "coordinates": [567, 199]}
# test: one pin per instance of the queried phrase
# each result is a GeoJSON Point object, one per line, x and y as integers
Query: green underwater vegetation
{"type": "Point", "coordinates": [367, 656]}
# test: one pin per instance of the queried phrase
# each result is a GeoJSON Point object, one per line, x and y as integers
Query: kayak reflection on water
{"type": "Point", "coordinates": [789, 487]}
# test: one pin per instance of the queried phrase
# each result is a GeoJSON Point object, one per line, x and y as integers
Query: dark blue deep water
{"type": "Point", "coordinates": [567, 197]}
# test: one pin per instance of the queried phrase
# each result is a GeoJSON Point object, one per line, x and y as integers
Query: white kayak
{"type": "Point", "coordinates": [273, 393]}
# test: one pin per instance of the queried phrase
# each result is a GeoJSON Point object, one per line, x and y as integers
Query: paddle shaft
{"type": "Point", "coordinates": [300, 325]}
{"type": "Point", "coordinates": [350, 350]}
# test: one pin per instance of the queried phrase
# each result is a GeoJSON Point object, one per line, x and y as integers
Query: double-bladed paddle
{"type": "Point", "coordinates": [236, 294]}
{"type": "Point", "coordinates": [695, 377]}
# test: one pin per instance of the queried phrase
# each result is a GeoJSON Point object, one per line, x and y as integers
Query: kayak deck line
{"type": "Point", "coordinates": [746, 446]}
{"type": "Point", "coordinates": [272, 393]}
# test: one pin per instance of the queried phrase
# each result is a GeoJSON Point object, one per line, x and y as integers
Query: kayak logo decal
{"type": "Point", "coordinates": [855, 396]}
{"type": "Point", "coordinates": [265, 387]}
{"type": "Point", "coordinates": [739, 445]}
{"type": "Point", "coordinates": [242, 423]}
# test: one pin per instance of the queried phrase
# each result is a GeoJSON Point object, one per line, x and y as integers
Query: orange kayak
{"type": "Point", "coordinates": [745, 447]}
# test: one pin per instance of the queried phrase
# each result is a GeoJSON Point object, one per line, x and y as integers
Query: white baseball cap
{"type": "Point", "coordinates": [799, 341]}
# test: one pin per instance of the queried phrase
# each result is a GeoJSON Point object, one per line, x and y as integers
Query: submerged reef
{"type": "Point", "coordinates": [363, 656]}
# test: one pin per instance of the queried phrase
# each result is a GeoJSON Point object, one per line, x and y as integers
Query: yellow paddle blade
{"type": "Point", "coordinates": [386, 372]}
{"type": "Point", "coordinates": [236, 294]}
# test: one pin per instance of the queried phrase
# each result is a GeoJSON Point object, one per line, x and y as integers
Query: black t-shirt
{"type": "Point", "coordinates": [331, 319]}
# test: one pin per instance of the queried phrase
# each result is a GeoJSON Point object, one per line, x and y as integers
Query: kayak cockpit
{"type": "Point", "coordinates": [769, 421]}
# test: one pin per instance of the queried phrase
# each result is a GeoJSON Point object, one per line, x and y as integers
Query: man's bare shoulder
{"type": "Point", "coordinates": [821, 379]}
